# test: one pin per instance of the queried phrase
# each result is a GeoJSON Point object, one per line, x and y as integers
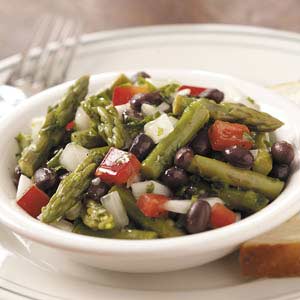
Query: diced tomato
{"type": "Point", "coordinates": [221, 216]}
{"type": "Point", "coordinates": [122, 94]}
{"type": "Point", "coordinates": [33, 201]}
{"type": "Point", "coordinates": [195, 90]}
{"type": "Point", "coordinates": [151, 205]}
{"type": "Point", "coordinates": [70, 126]}
{"type": "Point", "coordinates": [118, 167]}
{"type": "Point", "coordinates": [224, 134]}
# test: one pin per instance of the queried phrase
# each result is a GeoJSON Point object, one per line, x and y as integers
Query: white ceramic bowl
{"type": "Point", "coordinates": [152, 255]}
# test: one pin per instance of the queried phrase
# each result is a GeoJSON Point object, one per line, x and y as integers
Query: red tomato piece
{"type": "Point", "coordinates": [118, 167]}
{"type": "Point", "coordinates": [224, 134]}
{"type": "Point", "coordinates": [122, 94]}
{"type": "Point", "coordinates": [151, 205]}
{"type": "Point", "coordinates": [195, 90]}
{"type": "Point", "coordinates": [33, 201]}
{"type": "Point", "coordinates": [221, 216]}
{"type": "Point", "coordinates": [70, 126]}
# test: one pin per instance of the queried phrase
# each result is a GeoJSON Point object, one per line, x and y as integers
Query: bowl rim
{"type": "Point", "coordinates": [228, 236]}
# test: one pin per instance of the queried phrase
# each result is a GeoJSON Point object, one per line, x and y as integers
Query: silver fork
{"type": "Point", "coordinates": [46, 60]}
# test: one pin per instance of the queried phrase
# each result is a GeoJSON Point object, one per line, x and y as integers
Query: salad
{"type": "Point", "coordinates": [138, 161]}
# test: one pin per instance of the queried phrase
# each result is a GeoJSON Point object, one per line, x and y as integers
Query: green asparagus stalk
{"type": "Point", "coordinates": [96, 217]}
{"type": "Point", "coordinates": [124, 234]}
{"type": "Point", "coordinates": [53, 128]}
{"type": "Point", "coordinates": [73, 186]}
{"type": "Point", "coordinates": [163, 227]}
{"type": "Point", "coordinates": [263, 162]}
{"type": "Point", "coordinates": [247, 201]}
{"type": "Point", "coordinates": [106, 119]}
{"type": "Point", "coordinates": [168, 90]}
{"type": "Point", "coordinates": [219, 171]}
{"type": "Point", "coordinates": [231, 112]}
{"type": "Point", "coordinates": [88, 138]}
{"type": "Point", "coordinates": [192, 120]}
{"type": "Point", "coordinates": [23, 140]}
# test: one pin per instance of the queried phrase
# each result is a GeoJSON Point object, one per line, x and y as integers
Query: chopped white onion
{"type": "Point", "coordinates": [238, 217]}
{"type": "Point", "coordinates": [82, 120]}
{"type": "Point", "coordinates": [213, 200]}
{"type": "Point", "coordinates": [24, 185]}
{"type": "Point", "coordinates": [185, 92]}
{"type": "Point", "coordinates": [178, 206]}
{"type": "Point", "coordinates": [173, 120]}
{"type": "Point", "coordinates": [159, 128]}
{"type": "Point", "coordinates": [122, 108]}
{"type": "Point", "coordinates": [72, 156]}
{"type": "Point", "coordinates": [150, 186]}
{"type": "Point", "coordinates": [149, 110]}
{"type": "Point", "coordinates": [163, 107]}
{"type": "Point", "coordinates": [63, 225]}
{"type": "Point", "coordinates": [36, 125]}
{"type": "Point", "coordinates": [113, 203]}
{"type": "Point", "coordinates": [254, 152]}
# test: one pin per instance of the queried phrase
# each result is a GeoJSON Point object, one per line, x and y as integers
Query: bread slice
{"type": "Point", "coordinates": [275, 253]}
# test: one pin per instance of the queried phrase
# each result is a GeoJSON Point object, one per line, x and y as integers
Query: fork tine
{"type": "Point", "coordinates": [65, 54]}
{"type": "Point", "coordinates": [68, 60]}
{"type": "Point", "coordinates": [20, 69]}
{"type": "Point", "coordinates": [39, 73]}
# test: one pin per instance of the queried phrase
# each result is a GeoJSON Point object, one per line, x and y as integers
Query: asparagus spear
{"type": "Point", "coordinates": [72, 186]}
{"type": "Point", "coordinates": [125, 234]}
{"type": "Point", "coordinates": [23, 140]}
{"type": "Point", "coordinates": [232, 112]}
{"type": "Point", "coordinates": [263, 162]}
{"type": "Point", "coordinates": [96, 217]}
{"type": "Point", "coordinates": [53, 128]}
{"type": "Point", "coordinates": [219, 171]}
{"type": "Point", "coordinates": [88, 138]}
{"type": "Point", "coordinates": [193, 119]}
{"type": "Point", "coordinates": [163, 227]}
{"type": "Point", "coordinates": [248, 201]}
{"type": "Point", "coordinates": [106, 120]}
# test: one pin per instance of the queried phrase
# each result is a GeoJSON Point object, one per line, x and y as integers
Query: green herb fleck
{"type": "Point", "coordinates": [250, 100]}
{"type": "Point", "coordinates": [160, 131]}
{"type": "Point", "coordinates": [150, 188]}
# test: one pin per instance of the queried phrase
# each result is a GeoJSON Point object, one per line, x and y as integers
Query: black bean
{"type": "Point", "coordinates": [280, 171]}
{"type": "Point", "coordinates": [184, 157]}
{"type": "Point", "coordinates": [97, 189]}
{"type": "Point", "coordinates": [136, 76]}
{"type": "Point", "coordinates": [174, 177]}
{"type": "Point", "coordinates": [17, 175]}
{"type": "Point", "coordinates": [239, 157]}
{"type": "Point", "coordinates": [45, 178]}
{"type": "Point", "coordinates": [138, 100]}
{"type": "Point", "coordinates": [283, 152]}
{"type": "Point", "coordinates": [66, 138]}
{"type": "Point", "coordinates": [142, 145]}
{"type": "Point", "coordinates": [200, 143]}
{"type": "Point", "coordinates": [62, 174]}
{"type": "Point", "coordinates": [212, 94]}
{"type": "Point", "coordinates": [198, 216]}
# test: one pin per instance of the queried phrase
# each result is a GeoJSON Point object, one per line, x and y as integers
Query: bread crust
{"type": "Point", "coordinates": [270, 260]}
